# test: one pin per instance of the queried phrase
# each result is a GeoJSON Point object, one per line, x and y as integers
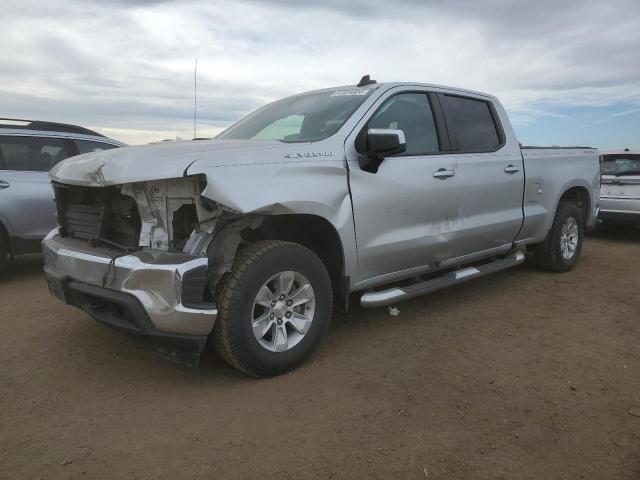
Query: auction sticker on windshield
{"type": "Point", "coordinates": [347, 93]}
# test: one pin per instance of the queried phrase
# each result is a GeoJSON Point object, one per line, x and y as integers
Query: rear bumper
{"type": "Point", "coordinates": [623, 210]}
{"type": "Point", "coordinates": [141, 293]}
{"type": "Point", "coordinates": [620, 217]}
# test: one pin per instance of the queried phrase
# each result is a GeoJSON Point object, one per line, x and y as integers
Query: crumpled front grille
{"type": "Point", "coordinates": [98, 215]}
{"type": "Point", "coordinates": [83, 221]}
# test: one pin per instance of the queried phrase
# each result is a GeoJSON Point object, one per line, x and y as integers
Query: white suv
{"type": "Point", "coordinates": [620, 194]}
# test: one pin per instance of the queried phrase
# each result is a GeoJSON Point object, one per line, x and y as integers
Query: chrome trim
{"type": "Point", "coordinates": [388, 131]}
{"type": "Point", "coordinates": [443, 173]}
{"type": "Point", "coordinates": [612, 210]}
{"type": "Point", "coordinates": [612, 197]}
{"type": "Point", "coordinates": [384, 297]}
{"type": "Point", "coordinates": [153, 277]}
{"type": "Point", "coordinates": [397, 294]}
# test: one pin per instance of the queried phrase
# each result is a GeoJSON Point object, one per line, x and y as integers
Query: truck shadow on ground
{"type": "Point", "coordinates": [95, 346]}
{"type": "Point", "coordinates": [22, 268]}
{"type": "Point", "coordinates": [359, 326]}
{"type": "Point", "coordinates": [98, 346]}
{"type": "Point", "coordinates": [616, 233]}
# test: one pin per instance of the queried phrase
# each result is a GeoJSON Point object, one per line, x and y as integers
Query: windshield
{"type": "Point", "coordinates": [304, 118]}
{"type": "Point", "coordinates": [622, 164]}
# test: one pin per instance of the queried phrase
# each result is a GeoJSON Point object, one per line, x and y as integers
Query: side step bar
{"type": "Point", "coordinates": [397, 294]}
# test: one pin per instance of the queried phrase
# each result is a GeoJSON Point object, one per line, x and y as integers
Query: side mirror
{"type": "Point", "coordinates": [382, 142]}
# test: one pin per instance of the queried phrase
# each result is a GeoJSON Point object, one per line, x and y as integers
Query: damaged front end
{"type": "Point", "coordinates": [137, 256]}
{"type": "Point", "coordinates": [159, 215]}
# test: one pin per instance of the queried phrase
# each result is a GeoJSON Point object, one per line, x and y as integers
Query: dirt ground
{"type": "Point", "coordinates": [521, 375]}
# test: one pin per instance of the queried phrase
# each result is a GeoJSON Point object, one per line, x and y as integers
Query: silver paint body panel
{"type": "Point", "coordinates": [552, 172]}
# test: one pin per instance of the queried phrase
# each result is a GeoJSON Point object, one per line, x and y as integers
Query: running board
{"type": "Point", "coordinates": [396, 294]}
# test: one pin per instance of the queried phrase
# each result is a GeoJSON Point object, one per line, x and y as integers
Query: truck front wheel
{"type": "Point", "coordinates": [273, 308]}
{"type": "Point", "coordinates": [561, 249]}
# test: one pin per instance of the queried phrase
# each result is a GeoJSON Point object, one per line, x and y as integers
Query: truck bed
{"type": "Point", "coordinates": [548, 172]}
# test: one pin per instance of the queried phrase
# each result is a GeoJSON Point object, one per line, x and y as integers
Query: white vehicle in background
{"type": "Point", "coordinates": [620, 194]}
{"type": "Point", "coordinates": [28, 150]}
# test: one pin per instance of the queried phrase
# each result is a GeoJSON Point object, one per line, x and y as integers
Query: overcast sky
{"type": "Point", "coordinates": [567, 71]}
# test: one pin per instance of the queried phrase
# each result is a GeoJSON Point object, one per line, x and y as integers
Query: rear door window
{"type": "Point", "coordinates": [33, 154]}
{"type": "Point", "coordinates": [87, 146]}
{"type": "Point", "coordinates": [471, 124]}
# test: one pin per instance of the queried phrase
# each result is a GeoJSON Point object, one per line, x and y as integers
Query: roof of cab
{"type": "Point", "coordinates": [389, 85]}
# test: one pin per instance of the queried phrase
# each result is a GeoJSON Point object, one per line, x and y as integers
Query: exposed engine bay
{"type": "Point", "coordinates": [166, 215]}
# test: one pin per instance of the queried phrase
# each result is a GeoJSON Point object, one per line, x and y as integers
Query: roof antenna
{"type": "Point", "coordinates": [195, 97]}
{"type": "Point", "coordinates": [366, 80]}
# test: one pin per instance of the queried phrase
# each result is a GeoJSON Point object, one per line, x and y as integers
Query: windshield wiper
{"type": "Point", "coordinates": [628, 172]}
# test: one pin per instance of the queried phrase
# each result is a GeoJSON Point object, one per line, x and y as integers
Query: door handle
{"type": "Point", "coordinates": [4, 184]}
{"type": "Point", "coordinates": [511, 169]}
{"type": "Point", "coordinates": [443, 173]}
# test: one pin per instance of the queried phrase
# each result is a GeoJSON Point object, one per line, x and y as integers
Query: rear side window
{"type": "Point", "coordinates": [34, 154]}
{"type": "Point", "coordinates": [87, 146]}
{"type": "Point", "coordinates": [471, 124]}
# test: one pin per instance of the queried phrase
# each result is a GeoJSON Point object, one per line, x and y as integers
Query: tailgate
{"type": "Point", "coordinates": [621, 186]}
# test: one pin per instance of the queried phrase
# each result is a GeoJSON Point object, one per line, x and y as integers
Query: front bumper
{"type": "Point", "coordinates": [140, 292]}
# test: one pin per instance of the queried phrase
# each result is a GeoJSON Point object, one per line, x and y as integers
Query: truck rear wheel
{"type": "Point", "coordinates": [273, 309]}
{"type": "Point", "coordinates": [561, 249]}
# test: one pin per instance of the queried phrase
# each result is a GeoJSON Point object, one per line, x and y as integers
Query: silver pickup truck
{"type": "Point", "coordinates": [387, 190]}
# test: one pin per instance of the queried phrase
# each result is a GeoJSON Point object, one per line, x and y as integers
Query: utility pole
{"type": "Point", "coordinates": [195, 97]}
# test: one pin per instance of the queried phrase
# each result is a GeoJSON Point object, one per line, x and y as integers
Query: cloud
{"type": "Point", "coordinates": [127, 67]}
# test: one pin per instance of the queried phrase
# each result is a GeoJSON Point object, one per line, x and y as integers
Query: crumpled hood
{"type": "Point", "coordinates": [162, 160]}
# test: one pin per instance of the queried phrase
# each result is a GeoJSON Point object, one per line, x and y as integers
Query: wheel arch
{"type": "Point", "coordinates": [580, 196]}
{"type": "Point", "coordinates": [309, 230]}
{"type": "Point", "coordinates": [577, 192]}
{"type": "Point", "coordinates": [315, 233]}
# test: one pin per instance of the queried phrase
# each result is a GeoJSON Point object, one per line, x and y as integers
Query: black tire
{"type": "Point", "coordinates": [233, 336]}
{"type": "Point", "coordinates": [548, 254]}
{"type": "Point", "coordinates": [4, 252]}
